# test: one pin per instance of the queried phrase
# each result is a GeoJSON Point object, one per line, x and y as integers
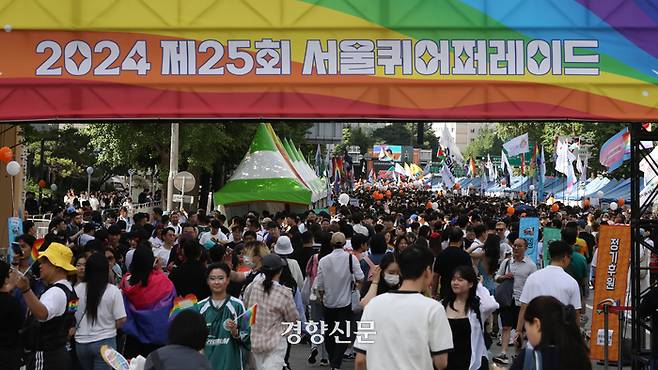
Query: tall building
{"type": "Point", "coordinates": [462, 132]}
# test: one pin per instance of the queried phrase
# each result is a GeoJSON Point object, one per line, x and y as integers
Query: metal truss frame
{"type": "Point", "coordinates": [639, 207]}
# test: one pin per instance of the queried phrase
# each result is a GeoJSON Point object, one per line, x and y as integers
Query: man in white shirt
{"type": "Point", "coordinates": [518, 268]}
{"type": "Point", "coordinates": [215, 234]}
{"type": "Point", "coordinates": [411, 331]}
{"type": "Point", "coordinates": [334, 284]}
{"type": "Point", "coordinates": [55, 307]}
{"type": "Point", "coordinates": [163, 253]}
{"type": "Point", "coordinates": [552, 281]}
{"type": "Point", "coordinates": [174, 217]}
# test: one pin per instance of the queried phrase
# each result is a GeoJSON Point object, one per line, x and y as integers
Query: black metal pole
{"type": "Point", "coordinates": [636, 328]}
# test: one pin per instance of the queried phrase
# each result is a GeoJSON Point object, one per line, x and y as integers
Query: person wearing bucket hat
{"type": "Point", "coordinates": [52, 315]}
{"type": "Point", "coordinates": [283, 248]}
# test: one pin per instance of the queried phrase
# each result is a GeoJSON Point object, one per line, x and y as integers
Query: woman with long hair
{"type": "Point", "coordinates": [276, 303]}
{"type": "Point", "coordinates": [149, 297]}
{"type": "Point", "coordinates": [488, 265]}
{"type": "Point", "coordinates": [100, 313]}
{"type": "Point", "coordinates": [553, 332]}
{"type": "Point", "coordinates": [80, 262]}
{"type": "Point", "coordinates": [468, 305]}
{"type": "Point", "coordinates": [386, 277]}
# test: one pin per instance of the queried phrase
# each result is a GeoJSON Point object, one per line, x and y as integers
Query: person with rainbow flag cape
{"type": "Point", "coordinates": [228, 323]}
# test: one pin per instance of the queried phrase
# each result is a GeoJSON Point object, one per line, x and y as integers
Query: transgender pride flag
{"type": "Point", "coordinates": [616, 150]}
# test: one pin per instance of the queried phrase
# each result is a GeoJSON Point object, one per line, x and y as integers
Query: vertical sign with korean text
{"type": "Point", "coordinates": [612, 266]}
{"type": "Point", "coordinates": [529, 230]}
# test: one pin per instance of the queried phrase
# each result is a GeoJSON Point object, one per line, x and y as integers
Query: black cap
{"type": "Point", "coordinates": [273, 262]}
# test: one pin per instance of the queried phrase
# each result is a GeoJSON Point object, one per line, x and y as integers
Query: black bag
{"type": "Point", "coordinates": [30, 333]}
{"type": "Point", "coordinates": [505, 291]}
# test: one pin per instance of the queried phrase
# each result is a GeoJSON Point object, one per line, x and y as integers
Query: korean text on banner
{"type": "Point", "coordinates": [550, 234]}
{"type": "Point", "coordinates": [529, 230]}
{"type": "Point", "coordinates": [611, 273]}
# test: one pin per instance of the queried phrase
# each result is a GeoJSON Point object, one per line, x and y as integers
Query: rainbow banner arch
{"type": "Point", "coordinates": [349, 59]}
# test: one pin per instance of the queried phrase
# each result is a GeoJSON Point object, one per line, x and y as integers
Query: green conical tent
{"type": "Point", "coordinates": [263, 176]}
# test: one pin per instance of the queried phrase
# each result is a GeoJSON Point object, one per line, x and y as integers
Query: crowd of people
{"type": "Point", "coordinates": [88, 202]}
{"type": "Point", "coordinates": [415, 280]}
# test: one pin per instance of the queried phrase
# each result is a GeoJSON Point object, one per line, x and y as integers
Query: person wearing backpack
{"type": "Point", "coordinates": [51, 316]}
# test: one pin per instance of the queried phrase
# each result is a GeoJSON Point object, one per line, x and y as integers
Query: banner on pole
{"type": "Point", "coordinates": [612, 266]}
{"type": "Point", "coordinates": [549, 234]}
{"type": "Point", "coordinates": [331, 59]}
{"type": "Point", "coordinates": [529, 230]}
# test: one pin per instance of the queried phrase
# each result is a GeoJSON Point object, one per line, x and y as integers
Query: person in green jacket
{"type": "Point", "coordinates": [228, 339]}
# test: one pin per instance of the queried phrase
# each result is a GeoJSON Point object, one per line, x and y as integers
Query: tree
{"type": "Point", "coordinates": [360, 139]}
{"type": "Point", "coordinates": [547, 133]}
{"type": "Point", "coordinates": [487, 142]}
{"type": "Point", "coordinates": [67, 153]}
{"type": "Point", "coordinates": [394, 134]}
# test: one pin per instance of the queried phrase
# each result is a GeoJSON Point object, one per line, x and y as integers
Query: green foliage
{"type": "Point", "coordinates": [67, 153]}
{"type": "Point", "coordinates": [487, 142]}
{"type": "Point", "coordinates": [360, 139]}
{"type": "Point", "coordinates": [547, 133]}
{"type": "Point", "coordinates": [394, 134]}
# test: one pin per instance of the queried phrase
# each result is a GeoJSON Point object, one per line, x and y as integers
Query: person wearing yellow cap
{"type": "Point", "coordinates": [52, 315]}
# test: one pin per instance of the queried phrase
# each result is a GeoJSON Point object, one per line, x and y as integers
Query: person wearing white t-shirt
{"type": "Point", "coordinates": [552, 281]}
{"type": "Point", "coordinates": [100, 313]}
{"type": "Point", "coordinates": [53, 310]}
{"type": "Point", "coordinates": [215, 234]}
{"type": "Point", "coordinates": [163, 253]}
{"type": "Point", "coordinates": [411, 331]}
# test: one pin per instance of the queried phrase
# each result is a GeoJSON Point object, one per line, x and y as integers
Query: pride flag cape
{"type": "Point", "coordinates": [149, 324]}
{"type": "Point", "coordinates": [182, 303]}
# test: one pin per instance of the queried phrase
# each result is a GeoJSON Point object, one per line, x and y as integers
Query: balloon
{"type": "Point", "coordinates": [53, 187]}
{"type": "Point", "coordinates": [532, 187]}
{"type": "Point", "coordinates": [6, 154]}
{"type": "Point", "coordinates": [343, 199]}
{"type": "Point", "coordinates": [510, 211]}
{"type": "Point", "coordinates": [13, 168]}
{"type": "Point", "coordinates": [428, 205]}
{"type": "Point", "coordinates": [458, 186]}
{"type": "Point", "coordinates": [435, 206]}
{"type": "Point", "coordinates": [621, 202]}
{"type": "Point", "coordinates": [614, 206]}
{"type": "Point", "coordinates": [42, 184]}
{"type": "Point", "coordinates": [586, 203]}
{"type": "Point", "coordinates": [555, 207]}
{"type": "Point", "coordinates": [600, 194]}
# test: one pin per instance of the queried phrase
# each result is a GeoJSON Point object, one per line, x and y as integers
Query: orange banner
{"type": "Point", "coordinates": [612, 263]}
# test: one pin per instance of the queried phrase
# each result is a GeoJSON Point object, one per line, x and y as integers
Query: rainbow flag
{"type": "Point", "coordinates": [35, 249]}
{"type": "Point", "coordinates": [471, 167]}
{"type": "Point", "coordinates": [182, 303]}
{"type": "Point", "coordinates": [249, 315]}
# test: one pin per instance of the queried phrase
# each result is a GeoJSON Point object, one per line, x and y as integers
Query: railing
{"type": "Point", "coordinates": [43, 221]}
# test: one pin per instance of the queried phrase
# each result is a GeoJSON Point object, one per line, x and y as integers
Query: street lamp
{"type": "Point", "coordinates": [130, 182]}
{"type": "Point", "coordinates": [89, 170]}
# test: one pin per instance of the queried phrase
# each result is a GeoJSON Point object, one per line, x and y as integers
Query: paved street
{"type": "Point", "coordinates": [300, 352]}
